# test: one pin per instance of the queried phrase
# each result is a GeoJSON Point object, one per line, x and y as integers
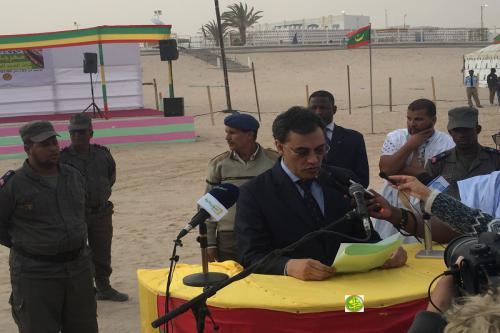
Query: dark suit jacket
{"type": "Point", "coordinates": [271, 214]}
{"type": "Point", "coordinates": [348, 150]}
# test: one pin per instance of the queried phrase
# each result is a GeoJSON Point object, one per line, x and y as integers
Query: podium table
{"type": "Point", "coordinates": [269, 303]}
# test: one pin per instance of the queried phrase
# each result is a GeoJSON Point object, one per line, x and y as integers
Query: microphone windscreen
{"type": "Point", "coordinates": [356, 188]}
{"type": "Point", "coordinates": [227, 194]}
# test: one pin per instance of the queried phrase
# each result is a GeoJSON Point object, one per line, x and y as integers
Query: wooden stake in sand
{"type": "Point", "coordinates": [390, 94]}
{"type": "Point", "coordinates": [155, 86]}
{"type": "Point", "coordinates": [349, 87]}
{"type": "Point", "coordinates": [210, 106]}
{"type": "Point", "coordinates": [307, 94]}
{"type": "Point", "coordinates": [433, 90]}
{"type": "Point", "coordinates": [256, 94]}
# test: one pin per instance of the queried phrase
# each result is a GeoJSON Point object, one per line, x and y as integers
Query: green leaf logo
{"type": "Point", "coordinates": [354, 303]}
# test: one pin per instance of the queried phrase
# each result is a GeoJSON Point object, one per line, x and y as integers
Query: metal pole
{"type": "Point", "coordinates": [155, 86]}
{"type": "Point", "coordinates": [223, 56]}
{"type": "Point", "coordinates": [481, 22]}
{"type": "Point", "coordinates": [371, 78]}
{"type": "Point", "coordinates": [433, 90]}
{"type": "Point", "coordinates": [349, 87]}
{"type": "Point", "coordinates": [210, 105]}
{"type": "Point", "coordinates": [307, 94]}
{"type": "Point", "coordinates": [390, 94]}
{"type": "Point", "coordinates": [170, 79]}
{"type": "Point", "coordinates": [256, 94]}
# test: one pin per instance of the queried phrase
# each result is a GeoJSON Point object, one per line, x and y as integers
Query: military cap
{"type": "Point", "coordinates": [79, 121]}
{"type": "Point", "coordinates": [242, 121]}
{"type": "Point", "coordinates": [465, 116]}
{"type": "Point", "coordinates": [37, 131]}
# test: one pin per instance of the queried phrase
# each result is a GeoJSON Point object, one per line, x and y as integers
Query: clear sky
{"type": "Point", "coordinates": [187, 16]}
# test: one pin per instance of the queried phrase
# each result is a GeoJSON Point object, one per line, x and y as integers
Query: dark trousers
{"type": "Point", "coordinates": [226, 246]}
{"type": "Point", "coordinates": [492, 90]}
{"type": "Point", "coordinates": [100, 234]}
{"type": "Point", "coordinates": [65, 305]}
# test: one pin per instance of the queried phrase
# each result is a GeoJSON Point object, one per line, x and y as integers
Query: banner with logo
{"type": "Point", "coordinates": [21, 68]}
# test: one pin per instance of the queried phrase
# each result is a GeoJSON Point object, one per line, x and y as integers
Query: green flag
{"type": "Point", "coordinates": [358, 37]}
{"type": "Point", "coordinates": [497, 39]}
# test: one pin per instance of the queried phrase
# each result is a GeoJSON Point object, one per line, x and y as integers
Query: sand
{"type": "Point", "coordinates": [158, 185]}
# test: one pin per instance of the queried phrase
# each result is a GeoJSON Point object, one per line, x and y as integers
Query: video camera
{"type": "Point", "coordinates": [480, 268]}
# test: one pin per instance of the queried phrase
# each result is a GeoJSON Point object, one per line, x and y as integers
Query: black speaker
{"type": "Point", "coordinates": [168, 49]}
{"type": "Point", "coordinates": [173, 107]}
{"type": "Point", "coordinates": [90, 62]}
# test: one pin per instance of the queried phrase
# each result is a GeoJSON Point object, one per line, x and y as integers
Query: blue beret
{"type": "Point", "coordinates": [242, 121]}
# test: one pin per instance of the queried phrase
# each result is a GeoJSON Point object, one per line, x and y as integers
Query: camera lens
{"type": "Point", "coordinates": [459, 246]}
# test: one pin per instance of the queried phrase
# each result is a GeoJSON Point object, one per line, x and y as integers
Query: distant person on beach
{"type": "Point", "coordinates": [492, 81]}
{"type": "Point", "coordinates": [97, 165]}
{"type": "Point", "coordinates": [244, 160]}
{"type": "Point", "coordinates": [42, 221]}
{"type": "Point", "coordinates": [471, 83]}
{"type": "Point", "coordinates": [287, 202]}
{"type": "Point", "coordinates": [347, 146]}
{"type": "Point", "coordinates": [406, 150]}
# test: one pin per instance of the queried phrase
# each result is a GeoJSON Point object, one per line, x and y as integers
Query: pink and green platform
{"type": "Point", "coordinates": [122, 129]}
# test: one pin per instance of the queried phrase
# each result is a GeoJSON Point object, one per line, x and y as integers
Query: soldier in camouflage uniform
{"type": "Point", "coordinates": [99, 169]}
{"type": "Point", "coordinates": [468, 158]}
{"type": "Point", "coordinates": [245, 160]}
{"type": "Point", "coordinates": [42, 221]}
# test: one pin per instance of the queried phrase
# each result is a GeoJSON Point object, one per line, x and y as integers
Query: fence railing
{"type": "Point", "coordinates": [338, 37]}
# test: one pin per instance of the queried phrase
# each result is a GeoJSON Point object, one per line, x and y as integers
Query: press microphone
{"type": "Point", "coordinates": [213, 204]}
{"type": "Point", "coordinates": [357, 191]}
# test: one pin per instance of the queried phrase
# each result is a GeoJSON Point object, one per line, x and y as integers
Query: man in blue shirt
{"type": "Point", "coordinates": [470, 83]}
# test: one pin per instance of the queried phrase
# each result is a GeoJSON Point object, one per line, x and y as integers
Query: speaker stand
{"type": "Point", "coordinates": [96, 110]}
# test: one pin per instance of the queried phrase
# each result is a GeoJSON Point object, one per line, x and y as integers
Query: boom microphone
{"type": "Point", "coordinates": [357, 191]}
{"type": "Point", "coordinates": [213, 204]}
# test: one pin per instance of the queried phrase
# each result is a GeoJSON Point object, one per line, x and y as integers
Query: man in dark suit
{"type": "Point", "coordinates": [286, 202]}
{"type": "Point", "coordinates": [347, 146]}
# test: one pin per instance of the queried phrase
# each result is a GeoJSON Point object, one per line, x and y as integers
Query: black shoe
{"type": "Point", "coordinates": [111, 294]}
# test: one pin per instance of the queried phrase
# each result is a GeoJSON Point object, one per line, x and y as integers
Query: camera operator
{"type": "Point", "coordinates": [451, 211]}
{"type": "Point", "coordinates": [477, 274]}
{"type": "Point", "coordinates": [479, 313]}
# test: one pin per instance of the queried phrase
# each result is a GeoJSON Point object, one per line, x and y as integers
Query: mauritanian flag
{"type": "Point", "coordinates": [497, 40]}
{"type": "Point", "coordinates": [358, 37]}
{"type": "Point", "coordinates": [101, 34]}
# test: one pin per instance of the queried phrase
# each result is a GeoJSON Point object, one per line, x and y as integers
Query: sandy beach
{"type": "Point", "coordinates": [158, 185]}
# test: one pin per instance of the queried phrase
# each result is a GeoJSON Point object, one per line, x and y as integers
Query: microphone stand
{"type": "Point", "coordinates": [198, 304]}
{"type": "Point", "coordinates": [428, 252]}
{"type": "Point", "coordinates": [204, 279]}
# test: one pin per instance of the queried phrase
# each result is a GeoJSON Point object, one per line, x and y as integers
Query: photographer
{"type": "Point", "coordinates": [479, 313]}
{"type": "Point", "coordinates": [445, 312]}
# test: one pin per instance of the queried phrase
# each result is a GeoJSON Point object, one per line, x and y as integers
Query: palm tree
{"type": "Point", "coordinates": [210, 30]}
{"type": "Point", "coordinates": [240, 18]}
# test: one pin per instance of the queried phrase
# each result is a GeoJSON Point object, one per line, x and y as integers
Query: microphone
{"type": "Point", "coordinates": [340, 179]}
{"type": "Point", "coordinates": [213, 204]}
{"type": "Point", "coordinates": [357, 191]}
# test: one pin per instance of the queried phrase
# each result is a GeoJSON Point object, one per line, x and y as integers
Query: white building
{"type": "Point", "coordinates": [331, 22]}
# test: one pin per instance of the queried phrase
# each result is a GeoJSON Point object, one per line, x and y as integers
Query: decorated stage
{"type": "Point", "coordinates": [267, 303]}
{"type": "Point", "coordinates": [126, 127]}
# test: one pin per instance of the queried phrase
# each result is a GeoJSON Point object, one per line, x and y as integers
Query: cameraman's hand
{"type": "Point", "coordinates": [444, 292]}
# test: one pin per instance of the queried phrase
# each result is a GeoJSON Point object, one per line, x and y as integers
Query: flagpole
{"type": "Point", "coordinates": [371, 76]}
